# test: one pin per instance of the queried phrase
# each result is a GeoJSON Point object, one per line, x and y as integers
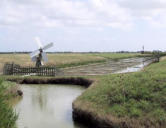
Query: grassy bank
{"type": "Point", "coordinates": [64, 60]}
{"type": "Point", "coordinates": [135, 100]}
{"type": "Point", "coordinates": [7, 116]}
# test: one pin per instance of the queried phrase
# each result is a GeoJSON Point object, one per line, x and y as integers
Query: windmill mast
{"type": "Point", "coordinates": [39, 59]}
{"type": "Point", "coordinates": [143, 49]}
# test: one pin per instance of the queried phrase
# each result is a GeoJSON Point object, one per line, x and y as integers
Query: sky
{"type": "Point", "coordinates": [83, 25]}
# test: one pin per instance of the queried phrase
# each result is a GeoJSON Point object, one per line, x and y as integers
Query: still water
{"type": "Point", "coordinates": [50, 106]}
{"type": "Point", "coordinates": [47, 106]}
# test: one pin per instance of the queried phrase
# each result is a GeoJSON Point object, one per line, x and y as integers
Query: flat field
{"type": "Point", "coordinates": [64, 60]}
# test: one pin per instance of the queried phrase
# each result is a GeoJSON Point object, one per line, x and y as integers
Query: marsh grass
{"type": "Point", "coordinates": [7, 116]}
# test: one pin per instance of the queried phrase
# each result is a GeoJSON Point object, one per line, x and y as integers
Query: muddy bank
{"type": "Point", "coordinates": [89, 119]}
{"type": "Point", "coordinates": [93, 120]}
{"type": "Point", "coordinates": [70, 81]}
{"type": "Point", "coordinates": [14, 91]}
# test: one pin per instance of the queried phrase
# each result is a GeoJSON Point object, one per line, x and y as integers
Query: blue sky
{"type": "Point", "coordinates": [83, 25]}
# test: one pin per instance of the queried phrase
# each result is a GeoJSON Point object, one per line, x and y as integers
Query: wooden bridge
{"type": "Point", "coordinates": [14, 69]}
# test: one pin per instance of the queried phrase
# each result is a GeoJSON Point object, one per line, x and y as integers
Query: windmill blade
{"type": "Point", "coordinates": [37, 39]}
{"type": "Point", "coordinates": [34, 59]}
{"type": "Point", "coordinates": [44, 57]}
{"type": "Point", "coordinates": [48, 46]}
{"type": "Point", "coordinates": [34, 53]}
{"type": "Point", "coordinates": [42, 63]}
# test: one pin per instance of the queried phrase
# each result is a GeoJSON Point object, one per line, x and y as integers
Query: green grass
{"type": "Point", "coordinates": [140, 96]}
{"type": "Point", "coordinates": [7, 116]}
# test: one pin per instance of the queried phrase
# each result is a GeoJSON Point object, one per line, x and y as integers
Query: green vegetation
{"type": "Point", "coordinates": [7, 116]}
{"type": "Point", "coordinates": [140, 96]}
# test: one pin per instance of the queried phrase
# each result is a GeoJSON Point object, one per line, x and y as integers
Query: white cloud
{"type": "Point", "coordinates": [152, 11]}
{"type": "Point", "coordinates": [53, 13]}
{"type": "Point", "coordinates": [90, 13]}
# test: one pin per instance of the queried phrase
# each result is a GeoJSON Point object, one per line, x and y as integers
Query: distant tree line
{"type": "Point", "coordinates": [95, 52]}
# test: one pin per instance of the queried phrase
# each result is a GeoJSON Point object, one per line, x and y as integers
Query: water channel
{"type": "Point", "coordinates": [50, 106]}
{"type": "Point", "coordinates": [47, 106]}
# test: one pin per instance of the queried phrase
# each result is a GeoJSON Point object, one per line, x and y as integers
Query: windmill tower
{"type": "Point", "coordinates": [39, 56]}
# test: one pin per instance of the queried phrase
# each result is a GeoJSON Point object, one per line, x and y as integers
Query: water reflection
{"type": "Point", "coordinates": [135, 68]}
{"type": "Point", "coordinates": [47, 106]}
{"type": "Point", "coordinates": [39, 98]}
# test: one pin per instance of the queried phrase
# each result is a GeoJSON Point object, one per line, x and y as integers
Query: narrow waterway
{"type": "Point", "coordinates": [47, 106]}
{"type": "Point", "coordinates": [50, 106]}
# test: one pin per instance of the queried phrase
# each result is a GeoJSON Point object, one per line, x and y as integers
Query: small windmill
{"type": "Point", "coordinates": [39, 56]}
